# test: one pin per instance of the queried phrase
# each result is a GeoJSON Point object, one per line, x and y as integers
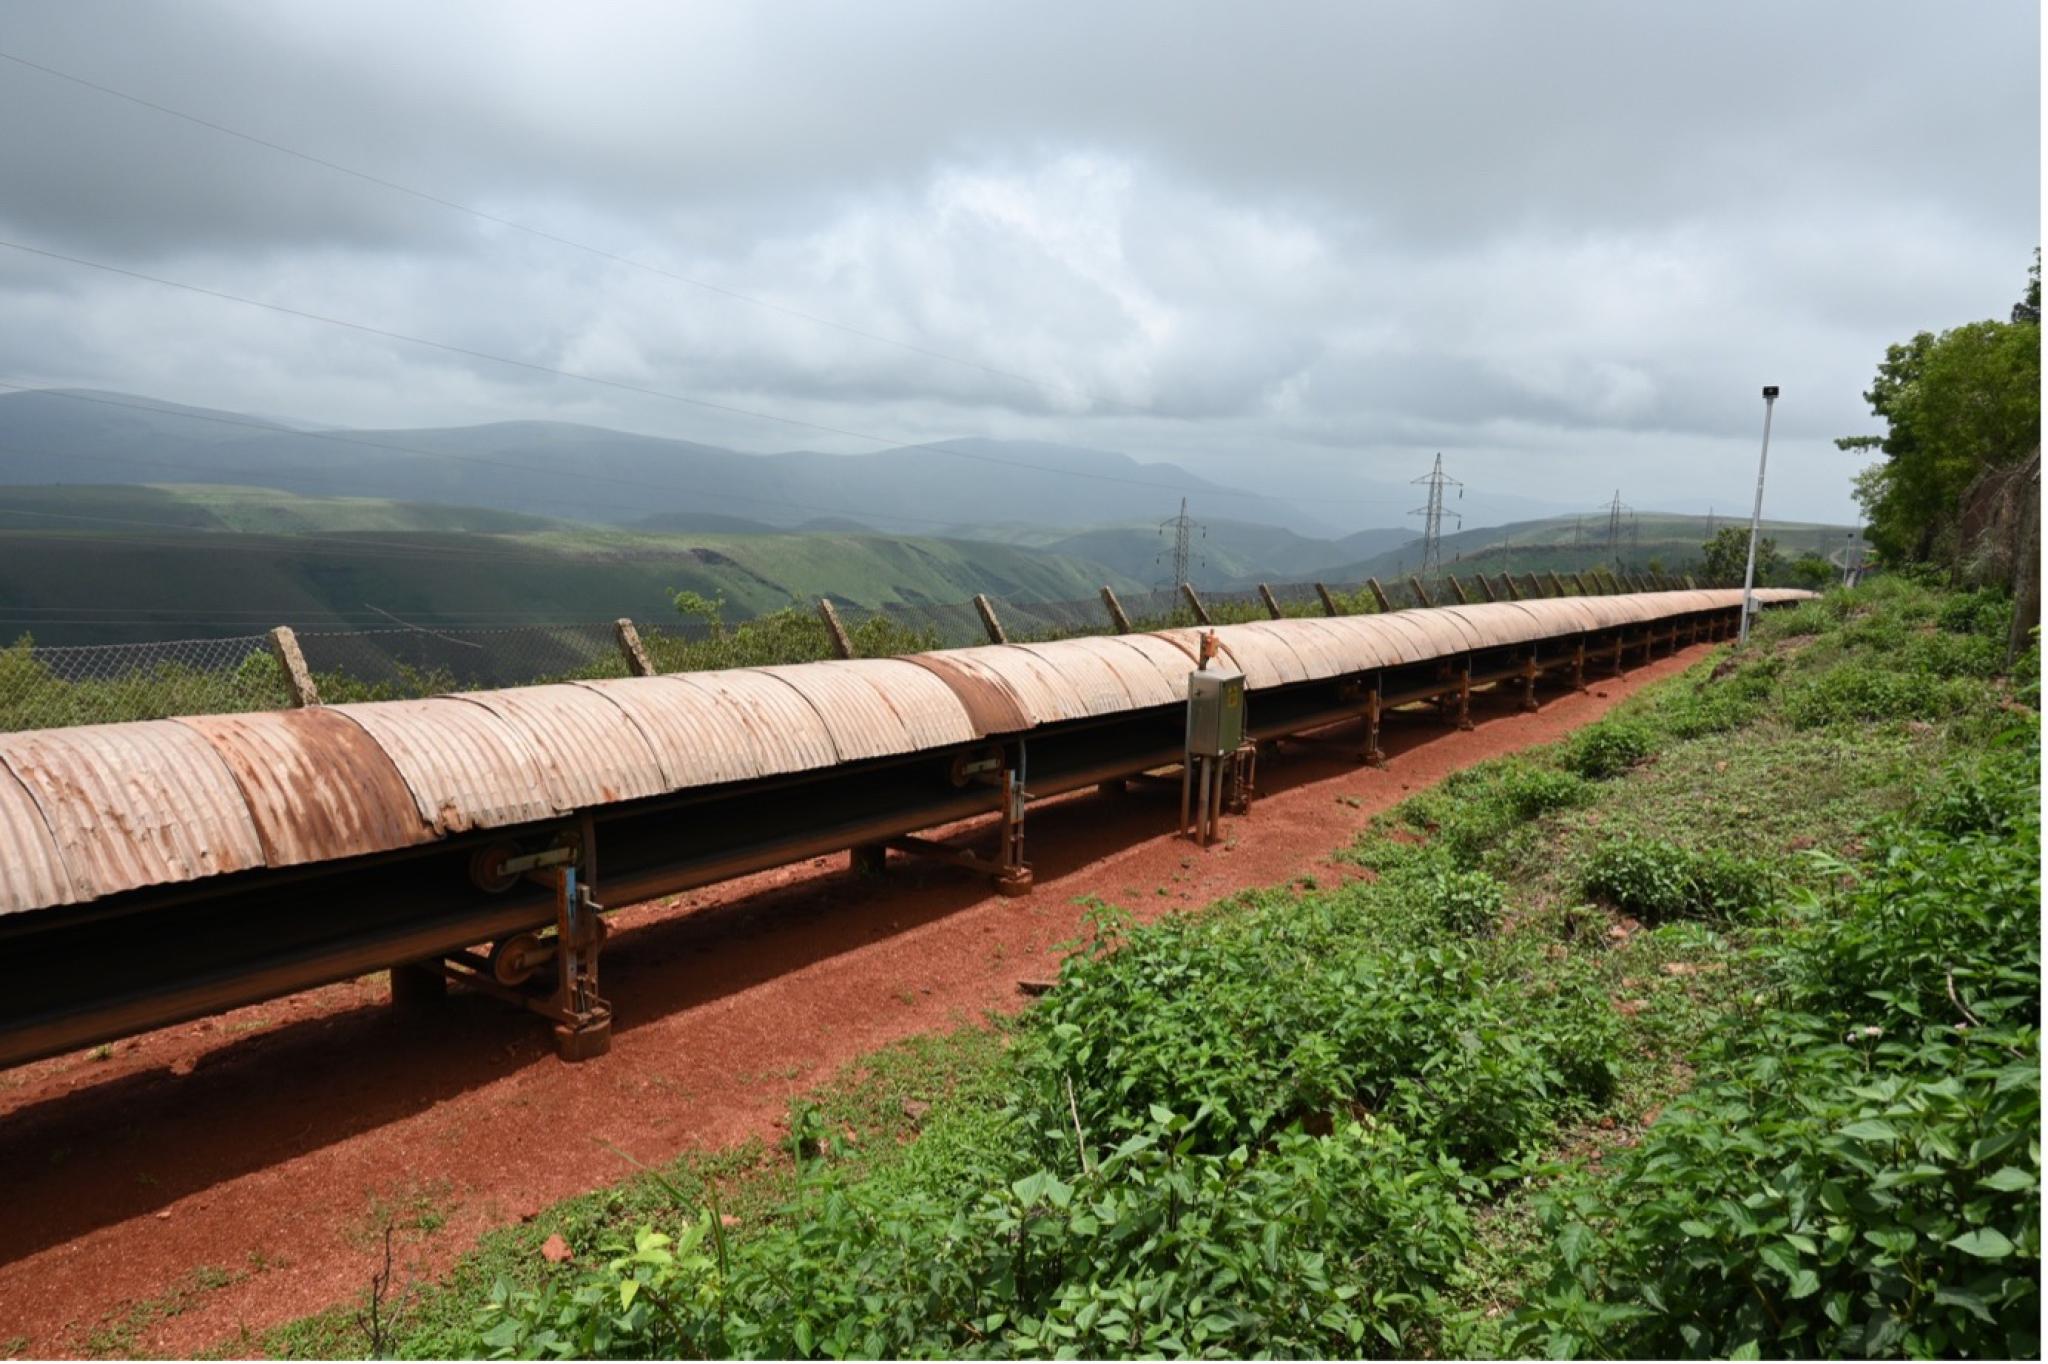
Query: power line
{"type": "Point", "coordinates": [544, 235]}
{"type": "Point", "coordinates": [666, 395]}
{"type": "Point", "coordinates": [1433, 516]}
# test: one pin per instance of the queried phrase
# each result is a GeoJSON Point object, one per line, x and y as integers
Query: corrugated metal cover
{"type": "Point", "coordinates": [1318, 660]}
{"type": "Point", "coordinates": [32, 874]}
{"type": "Point", "coordinates": [785, 731]}
{"type": "Point", "coordinates": [992, 708]}
{"type": "Point", "coordinates": [1446, 633]}
{"type": "Point", "coordinates": [591, 751]}
{"type": "Point", "coordinates": [878, 708]}
{"type": "Point", "coordinates": [1127, 676]}
{"type": "Point", "coordinates": [1562, 616]}
{"type": "Point", "coordinates": [137, 804]}
{"type": "Point", "coordinates": [1096, 678]}
{"type": "Point", "coordinates": [316, 785]}
{"type": "Point", "coordinates": [1046, 696]}
{"type": "Point", "coordinates": [698, 737]}
{"type": "Point", "coordinates": [861, 722]}
{"type": "Point", "coordinates": [1168, 659]}
{"type": "Point", "coordinates": [466, 768]}
{"type": "Point", "coordinates": [1382, 637]}
{"type": "Point", "coordinates": [1264, 660]}
{"type": "Point", "coordinates": [1363, 645]}
{"type": "Point", "coordinates": [1498, 624]}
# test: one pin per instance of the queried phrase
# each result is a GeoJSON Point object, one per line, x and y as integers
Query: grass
{"type": "Point", "coordinates": [1553, 1032]}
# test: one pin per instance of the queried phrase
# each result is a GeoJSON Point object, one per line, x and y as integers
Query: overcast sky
{"type": "Point", "coordinates": [1286, 245]}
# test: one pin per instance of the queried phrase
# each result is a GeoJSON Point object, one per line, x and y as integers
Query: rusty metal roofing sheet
{"type": "Point", "coordinates": [878, 708]}
{"type": "Point", "coordinates": [992, 708]}
{"type": "Point", "coordinates": [1265, 660]}
{"type": "Point", "coordinates": [1493, 626]}
{"type": "Point", "coordinates": [1453, 622]}
{"type": "Point", "coordinates": [861, 722]}
{"type": "Point", "coordinates": [1045, 695]}
{"type": "Point", "coordinates": [698, 738]}
{"type": "Point", "coordinates": [1168, 659]}
{"type": "Point", "coordinates": [1563, 615]}
{"type": "Point", "coordinates": [315, 784]}
{"type": "Point", "coordinates": [137, 804]}
{"type": "Point", "coordinates": [1397, 640]}
{"type": "Point", "coordinates": [466, 767]}
{"type": "Point", "coordinates": [1367, 644]}
{"type": "Point", "coordinates": [32, 874]}
{"type": "Point", "coordinates": [589, 749]}
{"type": "Point", "coordinates": [1444, 635]}
{"type": "Point", "coordinates": [786, 731]}
{"type": "Point", "coordinates": [1310, 648]}
{"type": "Point", "coordinates": [1097, 678]}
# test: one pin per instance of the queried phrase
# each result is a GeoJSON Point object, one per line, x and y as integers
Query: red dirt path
{"type": "Point", "coordinates": [264, 1141]}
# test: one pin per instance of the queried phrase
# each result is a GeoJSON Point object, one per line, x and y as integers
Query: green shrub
{"type": "Point", "coordinates": [1657, 880]}
{"type": "Point", "coordinates": [1815, 1197]}
{"type": "Point", "coordinates": [1986, 612]}
{"type": "Point", "coordinates": [1467, 902]}
{"type": "Point", "coordinates": [1310, 1246]}
{"type": "Point", "coordinates": [1607, 749]}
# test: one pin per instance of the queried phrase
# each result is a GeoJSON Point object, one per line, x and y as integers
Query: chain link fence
{"type": "Point", "coordinates": [45, 687]}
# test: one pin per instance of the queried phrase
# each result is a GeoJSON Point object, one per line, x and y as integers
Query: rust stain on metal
{"type": "Point", "coordinates": [137, 804]}
{"type": "Point", "coordinates": [1046, 696]}
{"type": "Point", "coordinates": [32, 873]}
{"type": "Point", "coordinates": [992, 708]}
{"type": "Point", "coordinates": [315, 784]}
{"type": "Point", "coordinates": [590, 750]}
{"type": "Point", "coordinates": [697, 737]}
{"type": "Point", "coordinates": [466, 768]}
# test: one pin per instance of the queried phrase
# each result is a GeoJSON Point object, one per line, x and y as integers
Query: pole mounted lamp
{"type": "Point", "coordinates": [1756, 519]}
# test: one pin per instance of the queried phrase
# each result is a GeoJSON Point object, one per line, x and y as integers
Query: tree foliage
{"type": "Point", "coordinates": [1725, 557]}
{"type": "Point", "coordinates": [1954, 404]}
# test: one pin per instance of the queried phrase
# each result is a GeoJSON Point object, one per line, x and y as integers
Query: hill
{"type": "Point", "coordinates": [97, 565]}
{"type": "Point", "coordinates": [1226, 554]}
{"type": "Point", "coordinates": [1568, 544]}
{"type": "Point", "coordinates": [586, 473]}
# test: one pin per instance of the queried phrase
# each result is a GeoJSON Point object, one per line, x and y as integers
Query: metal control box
{"type": "Point", "coordinates": [1215, 712]}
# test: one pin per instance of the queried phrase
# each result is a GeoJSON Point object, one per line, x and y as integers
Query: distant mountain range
{"type": "Point", "coordinates": [587, 473]}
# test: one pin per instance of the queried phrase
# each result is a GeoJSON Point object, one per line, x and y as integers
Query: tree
{"type": "Point", "coordinates": [1726, 556]}
{"type": "Point", "coordinates": [1810, 571]}
{"type": "Point", "coordinates": [1954, 405]}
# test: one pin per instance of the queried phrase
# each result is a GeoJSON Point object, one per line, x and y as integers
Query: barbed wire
{"type": "Point", "coordinates": [45, 686]}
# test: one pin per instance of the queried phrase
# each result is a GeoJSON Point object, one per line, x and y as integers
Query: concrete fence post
{"type": "Point", "coordinates": [1421, 597]}
{"type": "Point", "coordinates": [1272, 607]}
{"type": "Point", "coordinates": [1329, 602]}
{"type": "Point", "coordinates": [842, 647]}
{"type": "Point", "coordinates": [1195, 604]}
{"type": "Point", "coordinates": [1115, 608]}
{"type": "Point", "coordinates": [298, 678]}
{"type": "Point", "coordinates": [1379, 594]}
{"type": "Point", "coordinates": [628, 635]}
{"type": "Point", "coordinates": [987, 610]}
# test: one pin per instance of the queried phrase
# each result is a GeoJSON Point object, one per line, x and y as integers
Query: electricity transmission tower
{"type": "Point", "coordinates": [1183, 539]}
{"type": "Point", "coordinates": [1433, 516]}
{"type": "Point", "coordinates": [1615, 510]}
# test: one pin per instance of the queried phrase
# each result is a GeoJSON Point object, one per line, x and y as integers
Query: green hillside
{"type": "Point", "coordinates": [97, 565]}
{"type": "Point", "coordinates": [1224, 554]}
{"type": "Point", "coordinates": [1567, 544]}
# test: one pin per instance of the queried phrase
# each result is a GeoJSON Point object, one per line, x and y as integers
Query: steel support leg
{"type": "Point", "coordinates": [868, 859]}
{"type": "Point", "coordinates": [1529, 682]}
{"type": "Point", "coordinates": [583, 1026]}
{"type": "Point", "coordinates": [1465, 694]}
{"type": "Point", "coordinates": [1373, 756]}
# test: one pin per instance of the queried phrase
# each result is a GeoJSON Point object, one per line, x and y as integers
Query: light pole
{"type": "Point", "coordinates": [1756, 520]}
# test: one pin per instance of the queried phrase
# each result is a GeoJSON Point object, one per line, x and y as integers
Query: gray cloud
{"type": "Point", "coordinates": [1562, 243]}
